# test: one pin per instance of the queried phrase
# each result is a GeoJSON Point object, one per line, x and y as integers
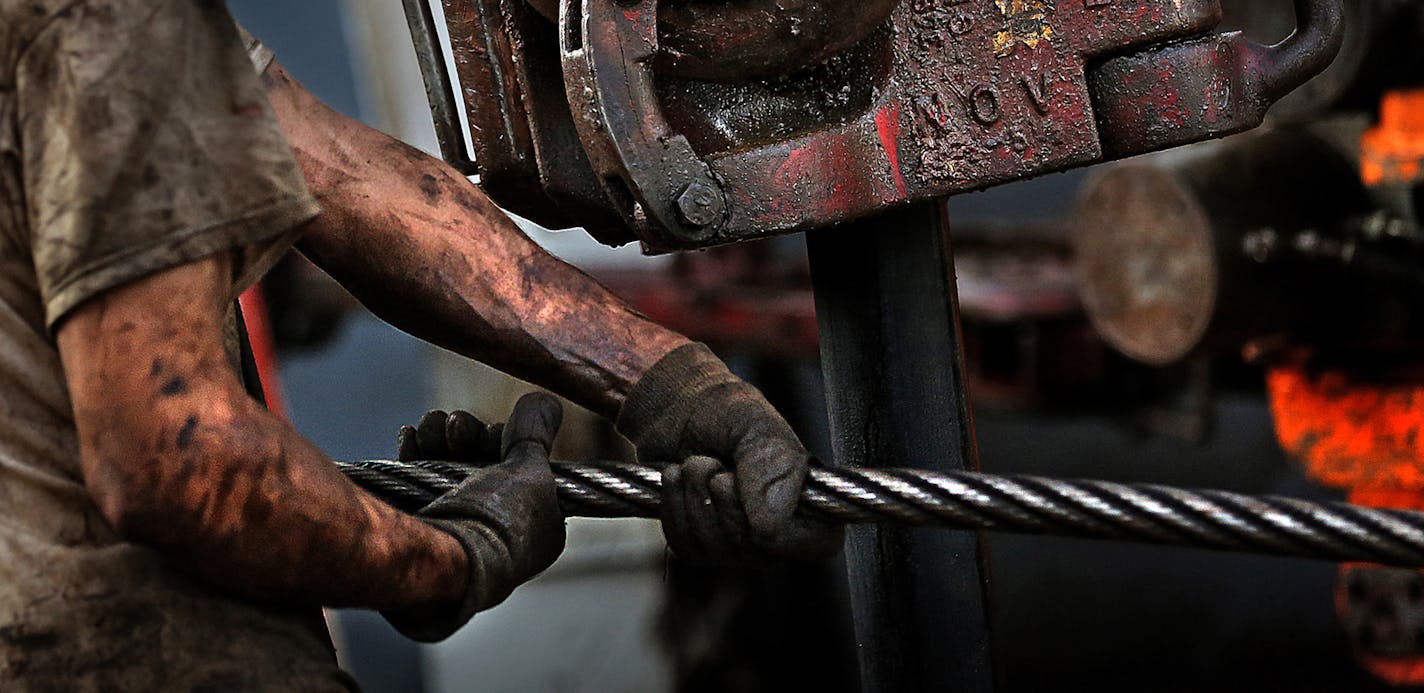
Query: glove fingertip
{"type": "Point", "coordinates": [732, 516]}
{"type": "Point", "coordinates": [536, 418]}
{"type": "Point", "coordinates": [493, 442]}
{"type": "Point", "coordinates": [464, 434]}
{"type": "Point", "coordinates": [705, 514]}
{"type": "Point", "coordinates": [672, 476]}
{"type": "Point", "coordinates": [702, 468]}
{"type": "Point", "coordinates": [770, 494]}
{"type": "Point", "coordinates": [407, 447]}
{"type": "Point", "coordinates": [435, 418]}
{"type": "Point", "coordinates": [430, 434]}
{"type": "Point", "coordinates": [724, 488]}
{"type": "Point", "coordinates": [676, 525]}
{"type": "Point", "coordinates": [466, 417]}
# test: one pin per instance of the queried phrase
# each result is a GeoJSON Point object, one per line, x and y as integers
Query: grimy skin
{"type": "Point", "coordinates": [179, 458]}
{"type": "Point", "coordinates": [425, 250]}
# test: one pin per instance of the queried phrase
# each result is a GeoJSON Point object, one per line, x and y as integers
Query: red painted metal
{"type": "Point", "coordinates": [264, 347]}
{"type": "Point", "coordinates": [942, 97]}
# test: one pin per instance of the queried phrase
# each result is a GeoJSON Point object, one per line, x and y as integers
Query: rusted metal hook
{"type": "Point", "coordinates": [1208, 87]}
{"type": "Point", "coordinates": [1306, 53]}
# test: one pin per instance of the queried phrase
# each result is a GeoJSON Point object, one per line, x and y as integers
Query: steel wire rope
{"type": "Point", "coordinates": [975, 501]}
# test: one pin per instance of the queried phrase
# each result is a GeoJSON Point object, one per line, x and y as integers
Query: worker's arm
{"type": "Point", "coordinates": [425, 250]}
{"type": "Point", "coordinates": [179, 458]}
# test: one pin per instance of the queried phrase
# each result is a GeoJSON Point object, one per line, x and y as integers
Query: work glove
{"type": "Point", "coordinates": [454, 437]}
{"type": "Point", "coordinates": [735, 469]}
{"type": "Point", "coordinates": [506, 516]}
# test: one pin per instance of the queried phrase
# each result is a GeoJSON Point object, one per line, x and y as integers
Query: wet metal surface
{"type": "Point", "coordinates": [945, 96]}
{"type": "Point", "coordinates": [1209, 87]}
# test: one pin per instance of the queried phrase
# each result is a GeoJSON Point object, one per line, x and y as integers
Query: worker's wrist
{"type": "Point", "coordinates": [659, 404]}
{"type": "Point", "coordinates": [443, 579]}
{"type": "Point", "coordinates": [453, 577]}
{"type": "Point", "coordinates": [432, 603]}
{"type": "Point", "coordinates": [650, 350]}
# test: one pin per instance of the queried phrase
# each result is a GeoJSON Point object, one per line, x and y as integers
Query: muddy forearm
{"type": "Point", "coordinates": [266, 514]}
{"type": "Point", "coordinates": [178, 458]}
{"type": "Point", "coordinates": [427, 251]}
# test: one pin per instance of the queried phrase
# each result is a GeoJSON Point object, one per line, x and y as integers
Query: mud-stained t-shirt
{"type": "Point", "coordinates": [134, 137]}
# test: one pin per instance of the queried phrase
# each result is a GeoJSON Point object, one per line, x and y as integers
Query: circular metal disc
{"type": "Point", "coordinates": [1146, 263]}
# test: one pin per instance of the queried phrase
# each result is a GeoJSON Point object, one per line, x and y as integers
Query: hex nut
{"type": "Point", "coordinates": [700, 205]}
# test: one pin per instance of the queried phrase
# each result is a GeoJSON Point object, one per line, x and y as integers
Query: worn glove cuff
{"type": "Point", "coordinates": [659, 405]}
{"type": "Point", "coordinates": [439, 625]}
{"type": "Point", "coordinates": [509, 535]}
{"type": "Point", "coordinates": [689, 405]}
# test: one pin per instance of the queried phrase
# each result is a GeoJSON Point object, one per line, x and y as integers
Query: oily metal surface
{"type": "Point", "coordinates": [754, 39]}
{"type": "Point", "coordinates": [525, 149]}
{"type": "Point", "coordinates": [944, 96]}
{"type": "Point", "coordinates": [971, 500]}
{"type": "Point", "coordinates": [1220, 84]}
{"type": "Point", "coordinates": [964, 95]}
{"type": "Point", "coordinates": [976, 94]}
{"type": "Point", "coordinates": [486, 71]}
{"type": "Point", "coordinates": [1381, 51]}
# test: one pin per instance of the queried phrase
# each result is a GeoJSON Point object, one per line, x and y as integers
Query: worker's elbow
{"type": "Point", "coordinates": [131, 499]}
{"type": "Point", "coordinates": [160, 494]}
{"type": "Point", "coordinates": [127, 510]}
{"type": "Point", "coordinates": [144, 510]}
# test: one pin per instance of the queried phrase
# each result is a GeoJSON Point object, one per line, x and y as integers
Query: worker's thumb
{"type": "Point", "coordinates": [532, 427]}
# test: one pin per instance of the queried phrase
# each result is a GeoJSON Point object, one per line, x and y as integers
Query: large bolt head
{"type": "Point", "coordinates": [700, 205]}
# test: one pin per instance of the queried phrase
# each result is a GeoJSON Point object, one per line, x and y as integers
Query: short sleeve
{"type": "Point", "coordinates": [261, 55]}
{"type": "Point", "coordinates": [148, 143]}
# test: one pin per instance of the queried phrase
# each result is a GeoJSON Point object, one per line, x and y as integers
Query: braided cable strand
{"type": "Point", "coordinates": [970, 500]}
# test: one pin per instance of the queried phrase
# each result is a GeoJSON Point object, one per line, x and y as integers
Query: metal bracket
{"type": "Point", "coordinates": [652, 174]}
{"type": "Point", "coordinates": [527, 153]}
{"type": "Point", "coordinates": [445, 104]}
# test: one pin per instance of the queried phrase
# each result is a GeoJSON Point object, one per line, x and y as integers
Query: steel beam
{"type": "Point", "coordinates": [886, 303]}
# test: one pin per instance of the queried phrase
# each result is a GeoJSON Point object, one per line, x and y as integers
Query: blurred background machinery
{"type": "Point", "coordinates": [1238, 315]}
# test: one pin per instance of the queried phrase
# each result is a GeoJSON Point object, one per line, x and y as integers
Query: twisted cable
{"type": "Point", "coordinates": [975, 501]}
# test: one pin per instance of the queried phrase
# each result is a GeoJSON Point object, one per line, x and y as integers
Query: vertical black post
{"type": "Point", "coordinates": [887, 306]}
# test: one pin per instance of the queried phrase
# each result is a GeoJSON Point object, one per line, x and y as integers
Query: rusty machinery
{"type": "Point", "coordinates": [1272, 247]}
{"type": "Point", "coordinates": [1276, 233]}
{"type": "Point", "coordinates": [1299, 248]}
{"type": "Point", "coordinates": [686, 124]}
{"type": "Point", "coordinates": [595, 123]}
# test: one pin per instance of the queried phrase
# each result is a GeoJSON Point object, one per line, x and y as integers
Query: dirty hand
{"type": "Point", "coordinates": [506, 517]}
{"type": "Point", "coordinates": [454, 437]}
{"type": "Point", "coordinates": [735, 468]}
